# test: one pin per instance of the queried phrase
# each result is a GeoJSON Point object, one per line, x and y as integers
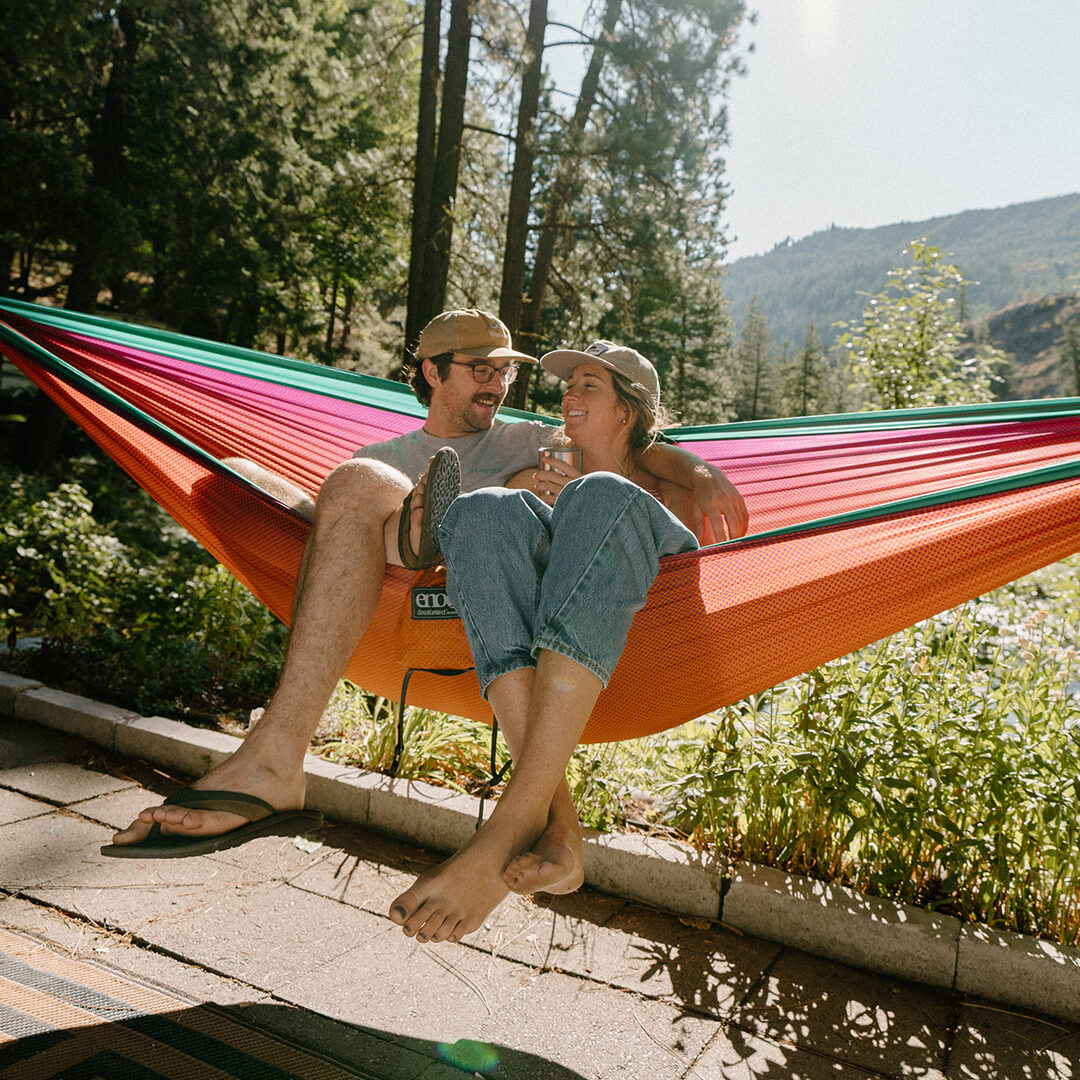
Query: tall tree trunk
{"type": "Point", "coordinates": [106, 143]}
{"type": "Point", "coordinates": [346, 316]}
{"type": "Point", "coordinates": [564, 180]}
{"type": "Point", "coordinates": [436, 268]}
{"type": "Point", "coordinates": [333, 314]}
{"type": "Point", "coordinates": [41, 442]}
{"type": "Point", "coordinates": [424, 168]}
{"type": "Point", "coordinates": [512, 293]}
{"type": "Point", "coordinates": [9, 65]}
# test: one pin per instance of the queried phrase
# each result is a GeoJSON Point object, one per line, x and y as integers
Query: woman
{"type": "Point", "coordinates": [547, 581]}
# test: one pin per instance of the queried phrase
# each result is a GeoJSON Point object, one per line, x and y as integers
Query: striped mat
{"type": "Point", "coordinates": [62, 1017]}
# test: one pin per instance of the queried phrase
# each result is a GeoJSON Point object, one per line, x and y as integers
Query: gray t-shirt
{"type": "Point", "coordinates": [488, 458]}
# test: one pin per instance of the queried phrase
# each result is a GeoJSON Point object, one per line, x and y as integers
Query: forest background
{"type": "Point", "coordinates": [320, 177]}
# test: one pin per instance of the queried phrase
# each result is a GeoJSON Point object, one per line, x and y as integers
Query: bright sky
{"type": "Point", "coordinates": [869, 112]}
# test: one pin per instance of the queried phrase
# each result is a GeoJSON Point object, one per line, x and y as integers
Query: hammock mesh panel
{"type": "Point", "coordinates": [861, 524]}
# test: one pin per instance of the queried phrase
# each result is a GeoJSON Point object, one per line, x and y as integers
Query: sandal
{"type": "Point", "coordinates": [443, 487]}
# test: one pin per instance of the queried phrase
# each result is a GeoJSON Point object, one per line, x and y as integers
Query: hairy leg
{"type": "Point", "coordinates": [337, 591]}
{"type": "Point", "coordinates": [283, 490]}
{"type": "Point", "coordinates": [454, 899]}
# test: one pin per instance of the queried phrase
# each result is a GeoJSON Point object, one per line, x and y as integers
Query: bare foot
{"type": "Point", "coordinates": [555, 864]}
{"type": "Point", "coordinates": [283, 793]}
{"type": "Point", "coordinates": [456, 897]}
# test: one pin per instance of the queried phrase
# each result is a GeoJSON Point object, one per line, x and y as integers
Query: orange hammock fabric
{"type": "Point", "coordinates": [861, 524]}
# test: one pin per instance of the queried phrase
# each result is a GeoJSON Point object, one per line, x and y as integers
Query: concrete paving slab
{"type": "Point", "coordinates": [843, 925]}
{"type": "Point", "coordinates": [883, 1025]}
{"type": "Point", "coordinates": [22, 743]}
{"type": "Point", "coordinates": [116, 949]}
{"type": "Point", "coordinates": [55, 860]}
{"type": "Point", "coordinates": [598, 1031]}
{"type": "Point", "coordinates": [734, 1054]}
{"type": "Point", "coordinates": [273, 858]}
{"type": "Point", "coordinates": [1021, 971]}
{"type": "Point", "coordinates": [51, 849]}
{"type": "Point", "coordinates": [364, 871]}
{"type": "Point", "coordinates": [60, 782]}
{"type": "Point", "coordinates": [590, 1029]}
{"type": "Point", "coordinates": [617, 943]}
{"type": "Point", "coordinates": [264, 933]}
{"type": "Point", "coordinates": [992, 1043]}
{"type": "Point", "coordinates": [117, 809]}
{"type": "Point", "coordinates": [15, 807]}
{"type": "Point", "coordinates": [388, 981]}
{"type": "Point", "coordinates": [704, 968]}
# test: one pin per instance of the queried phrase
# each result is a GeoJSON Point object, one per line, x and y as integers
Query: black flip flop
{"type": "Point", "coordinates": [263, 820]}
{"type": "Point", "coordinates": [443, 487]}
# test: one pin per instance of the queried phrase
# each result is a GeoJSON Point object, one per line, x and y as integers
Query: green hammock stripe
{"type": "Point", "coordinates": [384, 394]}
{"type": "Point", "coordinates": [887, 419]}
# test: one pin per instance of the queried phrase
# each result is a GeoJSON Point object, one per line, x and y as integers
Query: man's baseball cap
{"type": "Point", "coordinates": [621, 358]}
{"type": "Point", "coordinates": [468, 331]}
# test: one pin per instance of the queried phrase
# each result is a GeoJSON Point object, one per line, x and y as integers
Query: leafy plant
{"type": "Point", "coordinates": [906, 347]}
{"type": "Point", "coordinates": [149, 621]}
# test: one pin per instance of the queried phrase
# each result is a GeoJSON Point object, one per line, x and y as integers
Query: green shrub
{"type": "Point", "coordinates": [149, 621]}
{"type": "Point", "coordinates": [939, 767]}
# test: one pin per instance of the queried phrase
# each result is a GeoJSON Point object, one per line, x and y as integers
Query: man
{"type": "Point", "coordinates": [464, 365]}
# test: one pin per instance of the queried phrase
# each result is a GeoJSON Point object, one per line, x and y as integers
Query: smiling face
{"type": "Point", "coordinates": [459, 404]}
{"type": "Point", "coordinates": [592, 411]}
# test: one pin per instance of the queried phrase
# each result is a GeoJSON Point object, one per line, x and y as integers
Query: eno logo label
{"type": "Point", "coordinates": [432, 604]}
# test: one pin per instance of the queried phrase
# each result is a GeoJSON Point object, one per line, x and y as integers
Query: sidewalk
{"type": "Point", "coordinates": [293, 938]}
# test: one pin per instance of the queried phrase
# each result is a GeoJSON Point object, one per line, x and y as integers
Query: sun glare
{"type": "Point", "coordinates": [819, 29]}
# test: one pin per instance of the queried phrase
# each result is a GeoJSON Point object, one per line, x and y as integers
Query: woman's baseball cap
{"type": "Point", "coordinates": [621, 358]}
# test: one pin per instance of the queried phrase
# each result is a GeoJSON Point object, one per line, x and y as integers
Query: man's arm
{"type": "Point", "coordinates": [716, 499]}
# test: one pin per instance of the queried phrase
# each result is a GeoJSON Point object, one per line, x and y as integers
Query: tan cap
{"type": "Point", "coordinates": [468, 331]}
{"type": "Point", "coordinates": [621, 358]}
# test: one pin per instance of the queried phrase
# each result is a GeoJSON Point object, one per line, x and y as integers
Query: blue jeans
{"type": "Point", "coordinates": [526, 576]}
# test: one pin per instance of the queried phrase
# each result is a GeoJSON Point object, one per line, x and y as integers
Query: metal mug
{"type": "Point", "coordinates": [571, 456]}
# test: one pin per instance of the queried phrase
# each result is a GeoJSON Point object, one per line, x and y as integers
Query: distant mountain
{"type": "Point", "coordinates": [1032, 333]}
{"type": "Point", "coordinates": [1016, 253]}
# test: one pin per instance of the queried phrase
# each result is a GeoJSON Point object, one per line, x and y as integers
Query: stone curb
{"type": "Point", "coordinates": [825, 920]}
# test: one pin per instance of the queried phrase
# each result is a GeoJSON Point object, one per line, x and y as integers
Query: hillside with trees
{"type": "Point", "coordinates": [1009, 255]}
{"type": "Point", "coordinates": [1042, 339]}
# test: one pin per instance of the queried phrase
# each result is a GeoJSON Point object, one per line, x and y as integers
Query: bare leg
{"type": "Point", "coordinates": [454, 899]}
{"type": "Point", "coordinates": [337, 592]}
{"type": "Point", "coordinates": [283, 490]}
{"type": "Point", "coordinates": [555, 864]}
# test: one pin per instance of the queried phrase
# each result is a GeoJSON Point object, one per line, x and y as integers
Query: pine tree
{"type": "Point", "coordinates": [755, 368]}
{"type": "Point", "coordinates": [804, 380]}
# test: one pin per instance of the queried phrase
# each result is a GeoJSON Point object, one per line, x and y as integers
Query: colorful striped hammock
{"type": "Point", "coordinates": [861, 524]}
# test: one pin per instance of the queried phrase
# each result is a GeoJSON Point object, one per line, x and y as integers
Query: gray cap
{"type": "Point", "coordinates": [621, 358]}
